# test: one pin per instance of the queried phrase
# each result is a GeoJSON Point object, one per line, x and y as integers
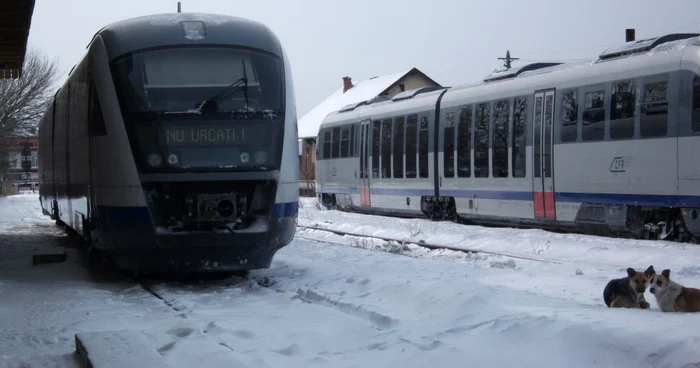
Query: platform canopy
{"type": "Point", "coordinates": [15, 19]}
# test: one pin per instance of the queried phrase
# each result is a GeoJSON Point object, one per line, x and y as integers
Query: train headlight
{"type": "Point", "coordinates": [155, 159]}
{"type": "Point", "coordinates": [245, 157]}
{"type": "Point", "coordinates": [260, 157]}
{"type": "Point", "coordinates": [173, 159]}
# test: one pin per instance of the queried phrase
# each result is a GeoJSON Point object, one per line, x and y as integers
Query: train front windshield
{"type": "Point", "coordinates": [202, 108]}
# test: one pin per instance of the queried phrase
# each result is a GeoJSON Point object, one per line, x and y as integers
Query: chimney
{"type": "Point", "coordinates": [629, 35]}
{"type": "Point", "coordinates": [347, 84]}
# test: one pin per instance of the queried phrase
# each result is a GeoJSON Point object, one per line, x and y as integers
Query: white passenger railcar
{"type": "Point", "coordinates": [606, 146]}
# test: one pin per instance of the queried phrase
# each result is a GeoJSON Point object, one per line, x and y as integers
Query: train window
{"type": "Point", "coordinates": [537, 143]}
{"type": "Point", "coordinates": [464, 143]}
{"type": "Point", "coordinates": [499, 140]}
{"type": "Point", "coordinates": [569, 116]}
{"type": "Point", "coordinates": [518, 136]}
{"type": "Point", "coordinates": [363, 150]}
{"type": "Point", "coordinates": [335, 148]}
{"type": "Point", "coordinates": [622, 108]}
{"type": "Point", "coordinates": [593, 121]}
{"type": "Point", "coordinates": [654, 119]}
{"type": "Point", "coordinates": [344, 142]}
{"type": "Point", "coordinates": [327, 144]}
{"type": "Point", "coordinates": [423, 148]}
{"type": "Point", "coordinates": [96, 121]}
{"type": "Point", "coordinates": [376, 144]}
{"type": "Point", "coordinates": [398, 147]}
{"type": "Point", "coordinates": [481, 140]}
{"type": "Point", "coordinates": [411, 140]}
{"type": "Point", "coordinates": [548, 117]}
{"type": "Point", "coordinates": [695, 125]}
{"type": "Point", "coordinates": [448, 154]}
{"type": "Point", "coordinates": [387, 129]}
{"type": "Point", "coordinates": [352, 141]}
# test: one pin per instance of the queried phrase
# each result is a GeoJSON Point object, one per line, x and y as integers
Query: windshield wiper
{"type": "Point", "coordinates": [231, 88]}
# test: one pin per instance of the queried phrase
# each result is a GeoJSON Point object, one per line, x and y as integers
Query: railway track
{"type": "Point", "coordinates": [211, 283]}
{"type": "Point", "coordinates": [423, 244]}
{"type": "Point", "coordinates": [167, 289]}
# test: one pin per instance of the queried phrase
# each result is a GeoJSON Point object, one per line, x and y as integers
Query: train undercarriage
{"type": "Point", "coordinates": [610, 220]}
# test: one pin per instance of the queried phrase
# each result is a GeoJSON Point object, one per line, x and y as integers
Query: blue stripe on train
{"type": "Point", "coordinates": [117, 213]}
{"type": "Point", "coordinates": [567, 197]}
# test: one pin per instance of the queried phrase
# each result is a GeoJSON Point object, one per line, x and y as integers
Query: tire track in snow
{"type": "Point", "coordinates": [308, 296]}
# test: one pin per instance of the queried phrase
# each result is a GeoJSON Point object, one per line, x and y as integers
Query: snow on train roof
{"type": "Point", "coordinates": [361, 91]}
{"type": "Point", "coordinates": [630, 49]}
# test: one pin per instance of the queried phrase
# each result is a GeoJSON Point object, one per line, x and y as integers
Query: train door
{"type": "Point", "coordinates": [364, 164]}
{"type": "Point", "coordinates": [543, 155]}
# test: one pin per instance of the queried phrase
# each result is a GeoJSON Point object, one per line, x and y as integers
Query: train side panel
{"type": "Point", "coordinates": [60, 153]}
{"type": "Point", "coordinates": [287, 198]}
{"type": "Point", "coordinates": [117, 196]}
{"type": "Point", "coordinates": [469, 178]}
{"type": "Point", "coordinates": [78, 153]}
{"type": "Point", "coordinates": [400, 189]}
{"type": "Point", "coordinates": [46, 179]}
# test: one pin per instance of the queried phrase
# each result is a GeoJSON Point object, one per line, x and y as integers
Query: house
{"type": "Point", "coordinates": [17, 174]}
{"type": "Point", "coordinates": [309, 124]}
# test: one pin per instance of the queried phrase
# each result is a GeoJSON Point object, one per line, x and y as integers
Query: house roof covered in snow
{"type": "Point", "coordinates": [360, 91]}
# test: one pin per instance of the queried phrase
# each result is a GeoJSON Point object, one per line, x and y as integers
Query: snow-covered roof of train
{"type": "Point", "coordinates": [670, 48]}
{"type": "Point", "coordinates": [628, 50]}
{"type": "Point", "coordinates": [361, 91]}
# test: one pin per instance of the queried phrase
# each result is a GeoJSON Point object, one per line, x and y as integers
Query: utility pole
{"type": "Point", "coordinates": [179, 9]}
{"type": "Point", "coordinates": [26, 162]}
{"type": "Point", "coordinates": [508, 59]}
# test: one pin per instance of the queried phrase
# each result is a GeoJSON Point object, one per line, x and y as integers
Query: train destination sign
{"type": "Point", "coordinates": [209, 136]}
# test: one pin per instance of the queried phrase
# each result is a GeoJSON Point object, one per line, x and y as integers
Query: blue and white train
{"type": "Point", "coordinates": [172, 146]}
{"type": "Point", "coordinates": [609, 146]}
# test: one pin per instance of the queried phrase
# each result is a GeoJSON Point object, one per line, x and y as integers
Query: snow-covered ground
{"type": "Point", "coordinates": [354, 302]}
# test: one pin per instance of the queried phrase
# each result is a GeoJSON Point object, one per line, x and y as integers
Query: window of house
{"type": "Point", "coordinates": [15, 160]}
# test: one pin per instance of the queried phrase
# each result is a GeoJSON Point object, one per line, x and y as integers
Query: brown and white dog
{"type": "Point", "coordinates": [628, 292]}
{"type": "Point", "coordinates": [672, 296]}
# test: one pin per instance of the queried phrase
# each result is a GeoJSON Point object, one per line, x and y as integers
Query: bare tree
{"type": "Point", "coordinates": [24, 100]}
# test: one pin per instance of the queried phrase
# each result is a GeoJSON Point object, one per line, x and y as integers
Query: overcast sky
{"type": "Point", "coordinates": [452, 41]}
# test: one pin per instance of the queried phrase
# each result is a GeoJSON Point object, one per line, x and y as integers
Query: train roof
{"type": "Point", "coordinates": [640, 51]}
{"type": "Point", "coordinates": [646, 57]}
{"type": "Point", "coordinates": [157, 30]}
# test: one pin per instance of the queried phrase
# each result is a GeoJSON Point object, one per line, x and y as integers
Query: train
{"type": "Point", "coordinates": [605, 146]}
{"type": "Point", "coordinates": [172, 145]}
